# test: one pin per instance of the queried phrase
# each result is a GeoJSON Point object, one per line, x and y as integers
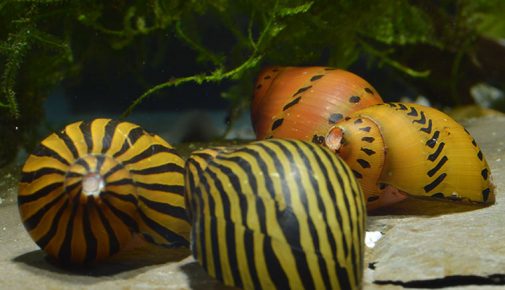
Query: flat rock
{"type": "Point", "coordinates": [424, 244]}
{"type": "Point", "coordinates": [428, 243]}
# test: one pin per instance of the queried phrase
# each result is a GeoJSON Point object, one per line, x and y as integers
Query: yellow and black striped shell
{"type": "Point", "coordinates": [87, 189]}
{"type": "Point", "coordinates": [276, 214]}
{"type": "Point", "coordinates": [415, 149]}
{"type": "Point", "coordinates": [304, 102]}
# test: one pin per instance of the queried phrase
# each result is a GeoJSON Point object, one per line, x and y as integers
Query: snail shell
{"type": "Point", "coordinates": [415, 149]}
{"type": "Point", "coordinates": [276, 214]}
{"type": "Point", "coordinates": [87, 189]}
{"type": "Point", "coordinates": [304, 102]}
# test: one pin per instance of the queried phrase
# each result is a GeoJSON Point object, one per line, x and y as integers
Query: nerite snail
{"type": "Point", "coordinates": [87, 189]}
{"type": "Point", "coordinates": [413, 149]}
{"type": "Point", "coordinates": [304, 102]}
{"type": "Point", "coordinates": [276, 214]}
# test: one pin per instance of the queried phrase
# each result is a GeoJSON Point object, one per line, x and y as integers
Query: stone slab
{"type": "Point", "coordinates": [423, 243]}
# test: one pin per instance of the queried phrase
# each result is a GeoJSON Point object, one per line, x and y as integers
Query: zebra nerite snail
{"type": "Point", "coordinates": [276, 214]}
{"type": "Point", "coordinates": [304, 102]}
{"type": "Point", "coordinates": [88, 188]}
{"type": "Point", "coordinates": [413, 149]}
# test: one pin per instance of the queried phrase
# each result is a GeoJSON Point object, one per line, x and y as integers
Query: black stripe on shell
{"type": "Point", "coordinates": [114, 245]}
{"type": "Point", "coordinates": [435, 182]}
{"type": "Point", "coordinates": [437, 167]}
{"type": "Point", "coordinates": [485, 194]}
{"type": "Point", "coordinates": [49, 235]}
{"type": "Point", "coordinates": [484, 173]}
{"type": "Point", "coordinates": [29, 177]}
{"type": "Point", "coordinates": [427, 129]}
{"type": "Point", "coordinates": [368, 151]}
{"type": "Point", "coordinates": [65, 250]}
{"type": "Point", "coordinates": [124, 217]}
{"type": "Point", "coordinates": [292, 233]}
{"type": "Point", "coordinates": [301, 90]}
{"type": "Point", "coordinates": [69, 143]}
{"type": "Point", "coordinates": [275, 270]}
{"type": "Point", "coordinates": [43, 192]}
{"type": "Point", "coordinates": [434, 155]}
{"type": "Point", "coordinates": [109, 131]}
{"type": "Point", "coordinates": [368, 139]}
{"type": "Point", "coordinates": [357, 174]}
{"type": "Point", "coordinates": [277, 123]}
{"type": "Point", "coordinates": [421, 120]}
{"type": "Point", "coordinates": [413, 112]}
{"type": "Point", "coordinates": [230, 228]}
{"type": "Point", "coordinates": [402, 107]}
{"type": "Point", "coordinates": [132, 137]}
{"type": "Point", "coordinates": [148, 153]}
{"type": "Point", "coordinates": [33, 221]}
{"type": "Point", "coordinates": [316, 77]}
{"type": "Point", "coordinates": [85, 128]}
{"type": "Point", "coordinates": [165, 208]}
{"type": "Point", "coordinates": [91, 241]}
{"type": "Point", "coordinates": [433, 140]}
{"type": "Point", "coordinates": [177, 189]}
{"type": "Point", "coordinates": [314, 184]}
{"type": "Point", "coordinates": [292, 103]}
{"type": "Point", "coordinates": [44, 151]}
{"type": "Point", "coordinates": [363, 163]}
{"type": "Point", "coordinates": [163, 168]}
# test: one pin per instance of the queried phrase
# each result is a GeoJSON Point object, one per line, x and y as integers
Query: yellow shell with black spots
{"type": "Point", "coordinates": [415, 149]}
{"type": "Point", "coordinates": [276, 214]}
{"type": "Point", "coordinates": [87, 189]}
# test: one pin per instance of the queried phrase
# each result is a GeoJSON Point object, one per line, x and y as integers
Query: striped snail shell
{"type": "Point", "coordinates": [304, 102]}
{"type": "Point", "coordinates": [87, 189]}
{"type": "Point", "coordinates": [413, 150]}
{"type": "Point", "coordinates": [276, 214]}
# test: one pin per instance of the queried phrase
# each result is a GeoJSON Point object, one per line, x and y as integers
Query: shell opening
{"type": "Point", "coordinates": [92, 184]}
{"type": "Point", "coordinates": [334, 139]}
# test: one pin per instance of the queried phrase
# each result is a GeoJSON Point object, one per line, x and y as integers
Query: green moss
{"type": "Point", "coordinates": [52, 41]}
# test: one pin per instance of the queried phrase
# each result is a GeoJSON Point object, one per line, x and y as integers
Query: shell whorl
{"type": "Point", "coordinates": [304, 102]}
{"type": "Point", "coordinates": [276, 214]}
{"type": "Point", "coordinates": [87, 189]}
{"type": "Point", "coordinates": [427, 154]}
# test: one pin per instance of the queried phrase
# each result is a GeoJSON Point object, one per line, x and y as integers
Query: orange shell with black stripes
{"type": "Point", "coordinates": [86, 191]}
{"type": "Point", "coordinates": [416, 150]}
{"type": "Point", "coordinates": [304, 102]}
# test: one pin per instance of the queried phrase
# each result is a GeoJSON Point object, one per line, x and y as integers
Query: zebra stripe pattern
{"type": "Point", "coordinates": [87, 189]}
{"type": "Point", "coordinates": [276, 214]}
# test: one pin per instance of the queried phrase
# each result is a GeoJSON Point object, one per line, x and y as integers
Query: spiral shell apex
{"type": "Point", "coordinates": [87, 189]}
{"type": "Point", "coordinates": [414, 149]}
{"type": "Point", "coordinates": [304, 102]}
{"type": "Point", "coordinates": [276, 214]}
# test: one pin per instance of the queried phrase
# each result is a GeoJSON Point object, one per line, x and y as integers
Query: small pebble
{"type": "Point", "coordinates": [371, 238]}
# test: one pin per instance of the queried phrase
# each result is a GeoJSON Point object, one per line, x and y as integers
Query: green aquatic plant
{"type": "Point", "coordinates": [44, 42]}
